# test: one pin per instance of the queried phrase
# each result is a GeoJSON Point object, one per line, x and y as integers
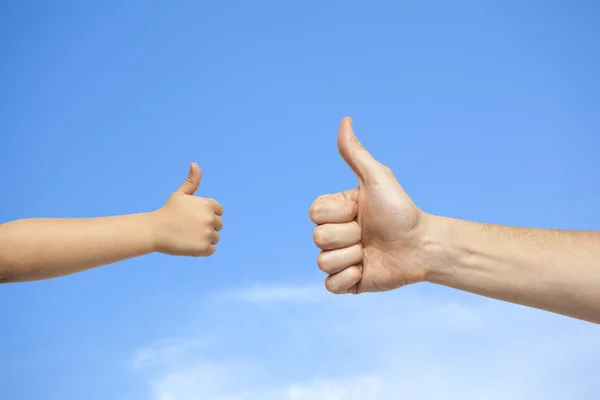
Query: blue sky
{"type": "Point", "coordinates": [485, 110]}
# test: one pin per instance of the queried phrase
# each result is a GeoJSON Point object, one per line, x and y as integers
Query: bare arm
{"type": "Point", "coordinates": [374, 238]}
{"type": "Point", "coordinates": [553, 270]}
{"type": "Point", "coordinates": [33, 249]}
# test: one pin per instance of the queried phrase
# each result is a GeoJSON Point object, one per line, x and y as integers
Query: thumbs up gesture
{"type": "Point", "coordinates": [188, 225]}
{"type": "Point", "coordinates": [370, 236]}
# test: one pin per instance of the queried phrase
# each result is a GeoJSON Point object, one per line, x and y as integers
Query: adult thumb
{"type": "Point", "coordinates": [352, 151]}
{"type": "Point", "coordinates": [192, 182]}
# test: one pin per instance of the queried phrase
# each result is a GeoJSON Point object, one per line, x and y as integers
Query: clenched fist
{"type": "Point", "coordinates": [188, 225]}
{"type": "Point", "coordinates": [370, 236]}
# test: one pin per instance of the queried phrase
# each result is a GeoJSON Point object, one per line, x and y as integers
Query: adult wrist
{"type": "Point", "coordinates": [438, 254]}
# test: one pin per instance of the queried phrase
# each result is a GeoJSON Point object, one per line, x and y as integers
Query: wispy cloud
{"type": "Point", "coordinates": [166, 353]}
{"type": "Point", "coordinates": [381, 346]}
{"type": "Point", "coordinates": [278, 293]}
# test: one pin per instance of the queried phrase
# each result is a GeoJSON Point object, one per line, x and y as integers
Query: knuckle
{"type": "Point", "coordinates": [329, 286]}
{"type": "Point", "coordinates": [322, 263]}
{"type": "Point", "coordinates": [315, 210]}
{"type": "Point", "coordinates": [332, 287]}
{"type": "Point", "coordinates": [359, 253]}
{"type": "Point", "coordinates": [204, 250]}
{"type": "Point", "coordinates": [388, 171]}
{"type": "Point", "coordinates": [356, 227]}
{"type": "Point", "coordinates": [203, 246]}
{"type": "Point", "coordinates": [199, 248]}
{"type": "Point", "coordinates": [321, 236]}
{"type": "Point", "coordinates": [206, 203]}
{"type": "Point", "coordinates": [197, 252]}
{"type": "Point", "coordinates": [385, 172]}
{"type": "Point", "coordinates": [350, 209]}
{"type": "Point", "coordinates": [210, 218]}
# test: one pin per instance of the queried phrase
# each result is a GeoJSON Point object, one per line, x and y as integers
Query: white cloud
{"type": "Point", "coordinates": [278, 293]}
{"type": "Point", "coordinates": [166, 352]}
{"type": "Point", "coordinates": [380, 346]}
{"type": "Point", "coordinates": [359, 387]}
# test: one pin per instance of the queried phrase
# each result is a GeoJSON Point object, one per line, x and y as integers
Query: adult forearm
{"type": "Point", "coordinates": [554, 270]}
{"type": "Point", "coordinates": [32, 249]}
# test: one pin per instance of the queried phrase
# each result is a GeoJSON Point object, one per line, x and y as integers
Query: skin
{"type": "Point", "coordinates": [374, 238]}
{"type": "Point", "coordinates": [34, 249]}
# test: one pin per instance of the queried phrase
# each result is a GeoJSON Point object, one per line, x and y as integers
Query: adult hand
{"type": "Point", "coordinates": [370, 235]}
